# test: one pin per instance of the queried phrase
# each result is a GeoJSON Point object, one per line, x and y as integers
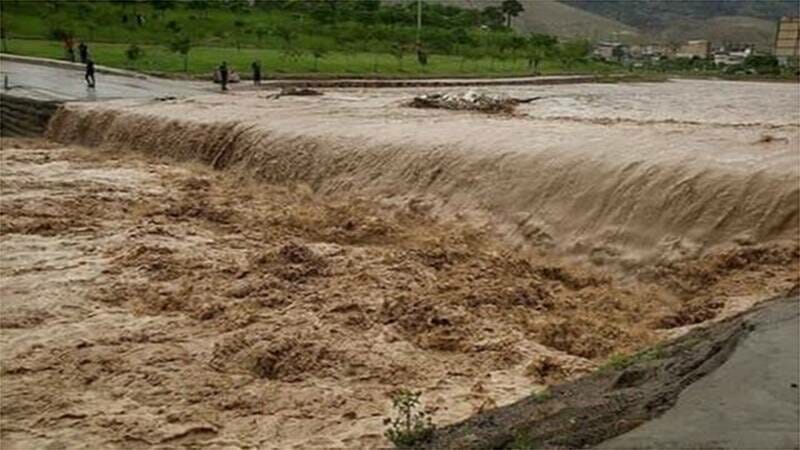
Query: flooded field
{"type": "Point", "coordinates": [249, 272]}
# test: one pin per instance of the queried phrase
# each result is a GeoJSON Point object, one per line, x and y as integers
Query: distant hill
{"type": "Point", "coordinates": [720, 30]}
{"type": "Point", "coordinates": [738, 21]}
{"type": "Point", "coordinates": [558, 19]}
{"type": "Point", "coordinates": [660, 14]}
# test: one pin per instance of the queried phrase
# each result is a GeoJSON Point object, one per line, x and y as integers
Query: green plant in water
{"type": "Point", "coordinates": [411, 425]}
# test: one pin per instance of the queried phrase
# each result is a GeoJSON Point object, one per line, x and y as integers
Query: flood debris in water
{"type": "Point", "coordinates": [470, 101]}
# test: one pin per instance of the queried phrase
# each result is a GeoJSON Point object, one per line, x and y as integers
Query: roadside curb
{"type": "Point", "coordinates": [69, 65]}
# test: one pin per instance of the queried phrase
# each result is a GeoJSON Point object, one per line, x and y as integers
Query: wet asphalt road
{"type": "Point", "coordinates": [62, 84]}
{"type": "Point", "coordinates": [750, 402]}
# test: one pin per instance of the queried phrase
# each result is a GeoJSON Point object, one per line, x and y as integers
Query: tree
{"type": "Point", "coordinates": [261, 33]}
{"type": "Point", "coordinates": [319, 48]}
{"type": "Point", "coordinates": [288, 35]}
{"type": "Point", "coordinates": [539, 47]}
{"type": "Point", "coordinates": [61, 30]}
{"type": "Point", "coordinates": [333, 6]}
{"type": "Point", "coordinates": [492, 16]}
{"type": "Point", "coordinates": [572, 52]}
{"type": "Point", "coordinates": [398, 51]}
{"type": "Point", "coordinates": [182, 44]}
{"type": "Point", "coordinates": [173, 26]}
{"type": "Point", "coordinates": [238, 6]}
{"type": "Point", "coordinates": [762, 64]}
{"type": "Point", "coordinates": [516, 45]}
{"type": "Point", "coordinates": [133, 53]}
{"type": "Point", "coordinates": [4, 35]}
{"type": "Point", "coordinates": [162, 5]}
{"type": "Point", "coordinates": [200, 5]}
{"type": "Point", "coordinates": [511, 8]}
{"type": "Point", "coordinates": [238, 25]}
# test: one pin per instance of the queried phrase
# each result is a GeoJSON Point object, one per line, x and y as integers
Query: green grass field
{"type": "Point", "coordinates": [202, 61]}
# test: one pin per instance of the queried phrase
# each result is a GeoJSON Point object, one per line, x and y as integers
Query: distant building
{"type": "Point", "coordinates": [787, 40]}
{"type": "Point", "coordinates": [694, 49]}
{"type": "Point", "coordinates": [611, 51]}
{"type": "Point", "coordinates": [656, 51]}
{"type": "Point", "coordinates": [730, 57]}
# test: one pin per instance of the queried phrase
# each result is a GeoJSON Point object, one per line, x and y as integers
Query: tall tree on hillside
{"type": "Point", "coordinates": [162, 5]}
{"type": "Point", "coordinates": [539, 47]}
{"type": "Point", "coordinates": [200, 5]}
{"type": "Point", "coordinates": [238, 26]}
{"type": "Point", "coordinates": [182, 44]}
{"type": "Point", "coordinates": [511, 8]}
{"type": "Point", "coordinates": [333, 6]}
{"type": "Point", "coordinates": [492, 17]}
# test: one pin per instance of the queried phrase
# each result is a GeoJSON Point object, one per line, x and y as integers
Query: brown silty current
{"type": "Point", "coordinates": [351, 246]}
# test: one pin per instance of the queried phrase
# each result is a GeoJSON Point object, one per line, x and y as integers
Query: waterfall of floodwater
{"type": "Point", "coordinates": [573, 202]}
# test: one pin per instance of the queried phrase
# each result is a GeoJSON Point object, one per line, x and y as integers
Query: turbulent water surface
{"type": "Point", "coordinates": [627, 171]}
{"type": "Point", "coordinates": [245, 271]}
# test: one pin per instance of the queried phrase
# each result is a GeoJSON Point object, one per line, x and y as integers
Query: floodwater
{"type": "Point", "coordinates": [244, 271]}
{"type": "Point", "coordinates": [620, 169]}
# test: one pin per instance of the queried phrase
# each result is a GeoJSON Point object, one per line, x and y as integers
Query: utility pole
{"type": "Point", "coordinates": [419, 21]}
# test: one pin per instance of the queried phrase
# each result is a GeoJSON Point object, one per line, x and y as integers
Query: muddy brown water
{"type": "Point", "coordinates": [264, 273]}
{"type": "Point", "coordinates": [624, 172]}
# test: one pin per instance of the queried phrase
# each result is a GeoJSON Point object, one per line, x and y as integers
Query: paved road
{"type": "Point", "coordinates": [44, 79]}
{"type": "Point", "coordinates": [54, 83]}
{"type": "Point", "coordinates": [750, 402]}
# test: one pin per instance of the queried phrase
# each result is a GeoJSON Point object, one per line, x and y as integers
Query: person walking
{"type": "Point", "coordinates": [223, 75]}
{"type": "Point", "coordinates": [256, 73]}
{"type": "Point", "coordinates": [83, 52]}
{"type": "Point", "coordinates": [90, 73]}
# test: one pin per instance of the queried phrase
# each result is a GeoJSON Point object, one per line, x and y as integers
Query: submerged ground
{"type": "Point", "coordinates": [149, 299]}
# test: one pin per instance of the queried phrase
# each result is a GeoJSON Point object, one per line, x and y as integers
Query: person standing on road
{"type": "Point", "coordinates": [256, 73]}
{"type": "Point", "coordinates": [83, 52]}
{"type": "Point", "coordinates": [89, 73]}
{"type": "Point", "coordinates": [223, 75]}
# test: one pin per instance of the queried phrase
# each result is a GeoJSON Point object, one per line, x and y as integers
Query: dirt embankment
{"type": "Point", "coordinates": [627, 393]}
{"type": "Point", "coordinates": [151, 302]}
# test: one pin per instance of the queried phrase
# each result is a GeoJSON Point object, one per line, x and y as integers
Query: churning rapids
{"type": "Point", "coordinates": [621, 172]}
{"type": "Point", "coordinates": [246, 271]}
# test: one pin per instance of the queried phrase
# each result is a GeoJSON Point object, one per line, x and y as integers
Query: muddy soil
{"type": "Point", "coordinates": [150, 302]}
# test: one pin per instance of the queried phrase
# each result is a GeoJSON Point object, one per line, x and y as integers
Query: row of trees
{"type": "Point", "coordinates": [366, 11]}
{"type": "Point", "coordinates": [312, 28]}
{"type": "Point", "coordinates": [534, 49]}
{"type": "Point", "coordinates": [238, 23]}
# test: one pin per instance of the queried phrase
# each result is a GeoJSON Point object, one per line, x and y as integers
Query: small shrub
{"type": "Point", "coordinates": [412, 425]}
{"type": "Point", "coordinates": [133, 53]}
{"type": "Point", "coordinates": [542, 396]}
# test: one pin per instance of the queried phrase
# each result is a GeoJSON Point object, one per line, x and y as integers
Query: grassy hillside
{"type": "Point", "coordinates": [202, 60]}
{"type": "Point", "coordinates": [338, 37]}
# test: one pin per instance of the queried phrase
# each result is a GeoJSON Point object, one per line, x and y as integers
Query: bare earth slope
{"type": "Point", "coordinates": [558, 19]}
{"type": "Point", "coordinates": [725, 29]}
